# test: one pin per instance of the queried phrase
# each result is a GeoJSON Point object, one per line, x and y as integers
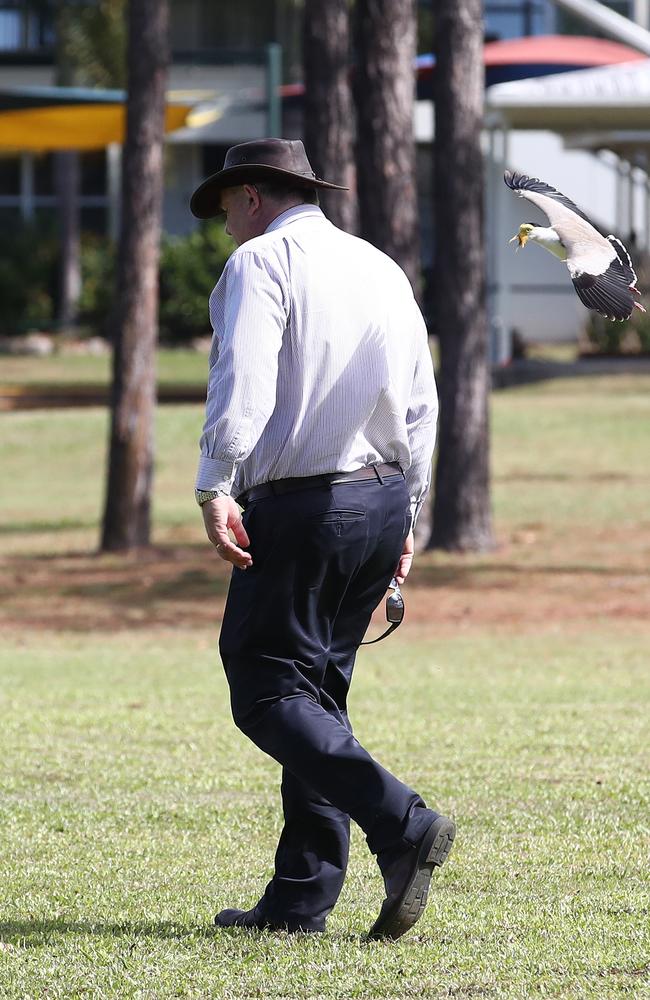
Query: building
{"type": "Point", "coordinates": [237, 55]}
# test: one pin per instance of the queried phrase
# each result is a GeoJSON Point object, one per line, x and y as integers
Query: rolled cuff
{"type": "Point", "coordinates": [418, 498]}
{"type": "Point", "coordinates": [213, 474]}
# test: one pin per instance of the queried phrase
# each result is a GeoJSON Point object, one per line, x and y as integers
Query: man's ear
{"type": "Point", "coordinates": [253, 198]}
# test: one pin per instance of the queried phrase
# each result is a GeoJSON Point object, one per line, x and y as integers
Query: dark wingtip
{"type": "Point", "coordinates": [507, 176]}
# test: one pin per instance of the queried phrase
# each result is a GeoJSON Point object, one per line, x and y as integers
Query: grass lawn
{"type": "Point", "coordinates": [516, 697]}
{"type": "Point", "coordinates": [175, 367]}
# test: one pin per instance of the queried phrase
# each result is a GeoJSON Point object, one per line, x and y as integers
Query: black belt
{"type": "Point", "coordinates": [279, 486]}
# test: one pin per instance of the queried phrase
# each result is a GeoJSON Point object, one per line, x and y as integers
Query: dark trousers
{"type": "Point", "coordinates": [322, 561]}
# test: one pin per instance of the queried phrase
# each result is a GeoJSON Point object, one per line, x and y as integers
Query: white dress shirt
{"type": "Point", "coordinates": [319, 362]}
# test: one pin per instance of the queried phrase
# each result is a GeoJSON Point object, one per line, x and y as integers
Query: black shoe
{"type": "Point", "coordinates": [255, 920]}
{"type": "Point", "coordinates": [407, 881]}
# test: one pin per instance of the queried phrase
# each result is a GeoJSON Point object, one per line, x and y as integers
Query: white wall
{"type": "Point", "coordinates": [531, 291]}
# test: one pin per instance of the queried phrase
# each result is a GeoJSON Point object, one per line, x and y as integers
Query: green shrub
{"type": "Point", "coordinates": [97, 284]}
{"type": "Point", "coordinates": [629, 337]}
{"type": "Point", "coordinates": [190, 267]}
{"type": "Point", "coordinates": [28, 275]}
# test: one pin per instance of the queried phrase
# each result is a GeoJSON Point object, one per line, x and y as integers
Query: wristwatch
{"type": "Point", "coordinates": [202, 496]}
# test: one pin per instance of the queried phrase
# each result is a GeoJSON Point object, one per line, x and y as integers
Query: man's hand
{"type": "Point", "coordinates": [219, 515]}
{"type": "Point", "coordinates": [406, 559]}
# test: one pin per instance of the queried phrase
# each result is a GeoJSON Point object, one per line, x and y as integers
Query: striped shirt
{"type": "Point", "coordinates": [319, 362]}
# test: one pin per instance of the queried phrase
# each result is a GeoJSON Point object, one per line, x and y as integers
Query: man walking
{"type": "Point", "coordinates": [320, 423]}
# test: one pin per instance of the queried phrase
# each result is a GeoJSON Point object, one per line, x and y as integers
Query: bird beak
{"type": "Point", "coordinates": [522, 237]}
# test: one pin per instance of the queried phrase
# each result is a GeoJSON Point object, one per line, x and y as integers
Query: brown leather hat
{"type": "Point", "coordinates": [260, 159]}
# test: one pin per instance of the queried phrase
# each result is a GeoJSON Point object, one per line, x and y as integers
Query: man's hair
{"type": "Point", "coordinates": [280, 189]}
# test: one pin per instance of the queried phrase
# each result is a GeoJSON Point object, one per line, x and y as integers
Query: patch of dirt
{"type": "Point", "coordinates": [534, 581]}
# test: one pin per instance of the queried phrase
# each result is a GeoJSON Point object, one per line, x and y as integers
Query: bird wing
{"type": "Point", "coordinates": [548, 198]}
{"type": "Point", "coordinates": [586, 248]}
{"type": "Point", "coordinates": [610, 291]}
{"type": "Point", "coordinates": [600, 268]}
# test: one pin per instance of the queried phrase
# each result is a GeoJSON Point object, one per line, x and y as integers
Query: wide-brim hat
{"type": "Point", "coordinates": [260, 159]}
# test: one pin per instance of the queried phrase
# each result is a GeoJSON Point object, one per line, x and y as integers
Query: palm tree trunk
{"type": "Point", "coordinates": [328, 110]}
{"type": "Point", "coordinates": [385, 45]}
{"type": "Point", "coordinates": [128, 497]}
{"type": "Point", "coordinates": [461, 512]}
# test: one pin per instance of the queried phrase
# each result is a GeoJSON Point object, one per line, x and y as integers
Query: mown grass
{"type": "Point", "coordinates": [131, 810]}
{"type": "Point", "coordinates": [566, 453]}
{"type": "Point", "coordinates": [175, 367]}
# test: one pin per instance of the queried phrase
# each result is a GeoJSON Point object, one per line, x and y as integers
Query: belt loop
{"type": "Point", "coordinates": [376, 472]}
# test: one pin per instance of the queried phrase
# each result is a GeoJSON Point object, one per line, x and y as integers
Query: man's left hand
{"type": "Point", "coordinates": [222, 514]}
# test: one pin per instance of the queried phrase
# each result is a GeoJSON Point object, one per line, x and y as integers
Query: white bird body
{"type": "Point", "coordinates": [600, 267]}
{"type": "Point", "coordinates": [549, 239]}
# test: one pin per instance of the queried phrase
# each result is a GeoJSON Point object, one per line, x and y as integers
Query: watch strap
{"type": "Point", "coordinates": [202, 496]}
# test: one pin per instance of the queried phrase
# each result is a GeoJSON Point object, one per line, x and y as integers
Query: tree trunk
{"type": "Point", "coordinates": [461, 512]}
{"type": "Point", "coordinates": [127, 510]}
{"type": "Point", "coordinates": [328, 111]}
{"type": "Point", "coordinates": [67, 174]}
{"type": "Point", "coordinates": [384, 83]}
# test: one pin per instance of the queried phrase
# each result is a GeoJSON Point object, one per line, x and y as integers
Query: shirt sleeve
{"type": "Point", "coordinates": [421, 421]}
{"type": "Point", "coordinates": [243, 376]}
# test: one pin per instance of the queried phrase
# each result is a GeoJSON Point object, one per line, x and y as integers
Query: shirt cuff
{"type": "Point", "coordinates": [214, 474]}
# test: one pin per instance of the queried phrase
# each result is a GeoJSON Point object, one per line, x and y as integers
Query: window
{"type": "Point", "coordinates": [567, 24]}
{"type": "Point", "coordinates": [23, 28]}
{"type": "Point", "coordinates": [9, 175]}
{"type": "Point", "coordinates": [515, 18]}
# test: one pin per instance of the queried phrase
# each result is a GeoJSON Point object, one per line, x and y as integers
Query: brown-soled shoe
{"type": "Point", "coordinates": [407, 881]}
{"type": "Point", "coordinates": [255, 920]}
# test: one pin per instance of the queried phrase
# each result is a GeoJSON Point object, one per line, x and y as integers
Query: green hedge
{"type": "Point", "coordinates": [632, 336]}
{"type": "Point", "coordinates": [190, 266]}
{"type": "Point", "coordinates": [28, 269]}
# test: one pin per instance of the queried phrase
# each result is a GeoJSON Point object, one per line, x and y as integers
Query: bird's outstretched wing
{"type": "Point", "coordinates": [600, 268]}
{"type": "Point", "coordinates": [544, 196]}
{"type": "Point", "coordinates": [611, 292]}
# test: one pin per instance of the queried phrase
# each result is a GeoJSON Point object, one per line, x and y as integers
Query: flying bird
{"type": "Point", "coordinates": [600, 267]}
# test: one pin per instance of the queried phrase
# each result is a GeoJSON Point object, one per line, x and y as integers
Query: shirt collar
{"type": "Point", "coordinates": [293, 214]}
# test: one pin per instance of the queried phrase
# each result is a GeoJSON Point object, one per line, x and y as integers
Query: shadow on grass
{"type": "Point", "coordinates": [483, 574]}
{"type": "Point", "coordinates": [39, 527]}
{"type": "Point", "coordinates": [35, 933]}
{"type": "Point", "coordinates": [88, 590]}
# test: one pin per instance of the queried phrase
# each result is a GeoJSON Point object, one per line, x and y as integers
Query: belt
{"type": "Point", "coordinates": [279, 486]}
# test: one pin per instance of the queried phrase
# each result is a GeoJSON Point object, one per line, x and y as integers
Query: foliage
{"type": "Point", "coordinates": [629, 337]}
{"type": "Point", "coordinates": [190, 267]}
{"type": "Point", "coordinates": [92, 42]}
{"type": "Point", "coordinates": [28, 270]}
{"type": "Point", "coordinates": [97, 278]}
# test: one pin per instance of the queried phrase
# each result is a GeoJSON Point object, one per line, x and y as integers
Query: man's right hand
{"type": "Point", "coordinates": [406, 559]}
{"type": "Point", "coordinates": [222, 514]}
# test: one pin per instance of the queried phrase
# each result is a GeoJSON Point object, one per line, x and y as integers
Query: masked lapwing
{"type": "Point", "coordinates": [600, 267]}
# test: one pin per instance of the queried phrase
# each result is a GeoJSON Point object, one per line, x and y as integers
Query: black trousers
{"type": "Point", "coordinates": [322, 561]}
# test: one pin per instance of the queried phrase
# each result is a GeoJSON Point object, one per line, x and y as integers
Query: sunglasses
{"type": "Point", "coordinates": [394, 612]}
